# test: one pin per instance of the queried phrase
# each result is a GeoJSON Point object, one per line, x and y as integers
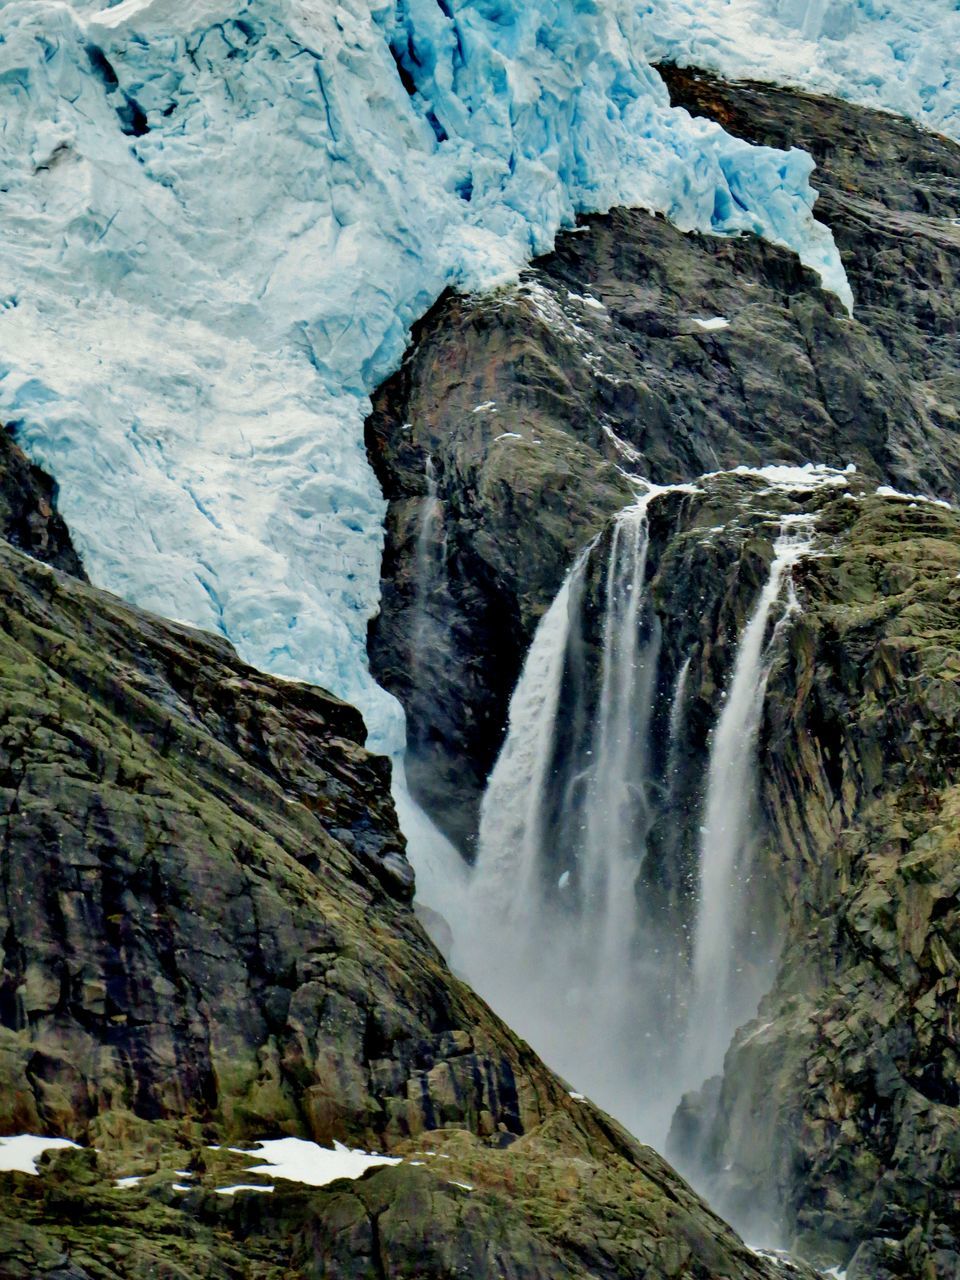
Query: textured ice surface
{"type": "Point", "coordinates": [218, 222]}
{"type": "Point", "coordinates": [897, 55]}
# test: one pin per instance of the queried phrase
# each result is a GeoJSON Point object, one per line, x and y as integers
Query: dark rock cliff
{"type": "Point", "coordinates": [840, 1103]}
{"type": "Point", "coordinates": [521, 418]}
{"type": "Point", "coordinates": [532, 405]}
{"type": "Point", "coordinates": [206, 938]}
{"type": "Point", "coordinates": [29, 519]}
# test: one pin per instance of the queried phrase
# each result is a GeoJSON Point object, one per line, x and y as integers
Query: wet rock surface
{"type": "Point", "coordinates": [840, 1104]}
{"type": "Point", "coordinates": [837, 1112]}
{"type": "Point", "coordinates": [207, 939]}
{"type": "Point", "coordinates": [635, 349]}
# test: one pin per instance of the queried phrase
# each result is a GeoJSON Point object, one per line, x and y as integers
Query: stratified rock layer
{"type": "Point", "coordinates": [207, 938]}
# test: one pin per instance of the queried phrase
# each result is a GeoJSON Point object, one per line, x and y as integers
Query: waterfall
{"type": "Point", "coordinates": [427, 568]}
{"type": "Point", "coordinates": [677, 703]}
{"type": "Point", "coordinates": [440, 870]}
{"type": "Point", "coordinates": [726, 988]}
{"type": "Point", "coordinates": [617, 809]}
{"type": "Point", "coordinates": [563, 934]}
{"type": "Point", "coordinates": [511, 819]}
{"type": "Point", "coordinates": [553, 939]}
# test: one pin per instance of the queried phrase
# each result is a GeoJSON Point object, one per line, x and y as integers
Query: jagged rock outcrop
{"type": "Point", "coordinates": [611, 357]}
{"type": "Point", "coordinates": [207, 938]}
{"type": "Point", "coordinates": [608, 359]}
{"type": "Point", "coordinates": [29, 518]}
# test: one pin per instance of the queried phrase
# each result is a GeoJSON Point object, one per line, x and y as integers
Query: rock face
{"type": "Point", "coordinates": [207, 938]}
{"type": "Point", "coordinates": [29, 519]}
{"type": "Point", "coordinates": [840, 1104]}
{"type": "Point", "coordinates": [505, 443]}
{"type": "Point", "coordinates": [530, 408]}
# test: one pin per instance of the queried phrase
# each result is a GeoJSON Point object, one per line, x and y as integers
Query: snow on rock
{"type": "Point", "coordinates": [886, 491]}
{"type": "Point", "coordinates": [20, 1154]}
{"type": "Point", "coordinates": [219, 221]}
{"type": "Point", "coordinates": [810, 475]}
{"type": "Point", "coordinates": [711, 324]}
{"type": "Point", "coordinates": [895, 55]}
{"type": "Point", "coordinates": [241, 1186]}
{"type": "Point", "coordinates": [303, 1161]}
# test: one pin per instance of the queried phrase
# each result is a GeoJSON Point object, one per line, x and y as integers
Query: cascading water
{"type": "Point", "coordinates": [426, 566]}
{"type": "Point", "coordinates": [678, 700]}
{"type": "Point", "coordinates": [553, 941]}
{"type": "Point", "coordinates": [729, 974]}
{"type": "Point", "coordinates": [566, 931]}
{"type": "Point", "coordinates": [616, 810]}
{"type": "Point", "coordinates": [441, 873]}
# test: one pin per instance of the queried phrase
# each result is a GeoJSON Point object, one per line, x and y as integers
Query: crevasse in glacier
{"type": "Point", "coordinates": [895, 55]}
{"type": "Point", "coordinates": [219, 221]}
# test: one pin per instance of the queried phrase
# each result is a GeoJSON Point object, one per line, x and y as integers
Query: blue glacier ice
{"type": "Point", "coordinates": [894, 55]}
{"type": "Point", "coordinates": [219, 220]}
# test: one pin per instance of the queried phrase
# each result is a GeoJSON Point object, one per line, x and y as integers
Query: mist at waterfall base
{"type": "Point", "coordinates": [565, 932]}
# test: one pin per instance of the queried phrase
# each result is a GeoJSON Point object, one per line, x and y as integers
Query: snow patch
{"type": "Point", "coordinates": [301, 1161]}
{"type": "Point", "coordinates": [885, 491]}
{"type": "Point", "coordinates": [793, 478]}
{"type": "Point", "coordinates": [241, 1186]}
{"type": "Point", "coordinates": [19, 1154]}
{"type": "Point", "coordinates": [712, 324]}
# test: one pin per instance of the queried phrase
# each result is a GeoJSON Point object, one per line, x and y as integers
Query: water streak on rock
{"type": "Point", "coordinates": [728, 980]}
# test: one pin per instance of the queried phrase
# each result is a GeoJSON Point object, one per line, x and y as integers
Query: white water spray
{"type": "Point", "coordinates": [554, 940]}
{"type": "Point", "coordinates": [563, 936]}
{"type": "Point", "coordinates": [427, 569]}
{"type": "Point", "coordinates": [678, 702]}
{"type": "Point", "coordinates": [441, 872]}
{"type": "Point", "coordinates": [511, 817]}
{"type": "Point", "coordinates": [724, 993]}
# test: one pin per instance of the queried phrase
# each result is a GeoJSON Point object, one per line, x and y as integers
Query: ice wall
{"type": "Point", "coordinates": [896, 55]}
{"type": "Point", "coordinates": [217, 222]}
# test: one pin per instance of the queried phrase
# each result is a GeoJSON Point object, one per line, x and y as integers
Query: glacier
{"type": "Point", "coordinates": [219, 222]}
{"type": "Point", "coordinates": [893, 55]}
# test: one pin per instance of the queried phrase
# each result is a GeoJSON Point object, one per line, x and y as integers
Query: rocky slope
{"type": "Point", "coordinates": [506, 442]}
{"type": "Point", "coordinates": [611, 357]}
{"type": "Point", "coordinates": [207, 939]}
{"type": "Point", "coordinates": [840, 1104]}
